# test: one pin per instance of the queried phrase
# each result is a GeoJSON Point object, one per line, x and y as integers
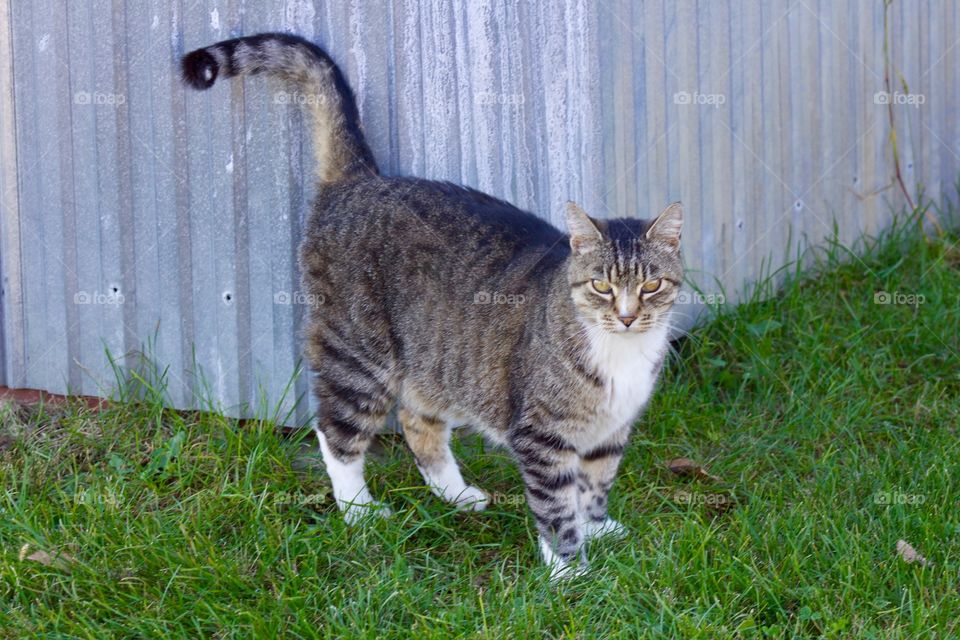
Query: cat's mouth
{"type": "Point", "coordinates": [629, 325]}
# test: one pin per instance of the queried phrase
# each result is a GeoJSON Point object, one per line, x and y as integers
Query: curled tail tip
{"type": "Point", "coordinates": [199, 69]}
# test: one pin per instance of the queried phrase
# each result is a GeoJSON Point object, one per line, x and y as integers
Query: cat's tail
{"type": "Point", "coordinates": [338, 142]}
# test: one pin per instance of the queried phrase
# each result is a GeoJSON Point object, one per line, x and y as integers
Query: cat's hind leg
{"type": "Point", "coordinates": [351, 386]}
{"type": "Point", "coordinates": [345, 430]}
{"type": "Point", "coordinates": [429, 440]}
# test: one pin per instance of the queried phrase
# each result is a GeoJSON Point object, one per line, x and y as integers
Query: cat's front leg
{"type": "Point", "coordinates": [550, 467]}
{"type": "Point", "coordinates": [598, 470]}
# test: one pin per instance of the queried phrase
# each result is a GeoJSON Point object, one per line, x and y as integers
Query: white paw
{"type": "Point", "coordinates": [560, 569]}
{"type": "Point", "coordinates": [356, 513]}
{"type": "Point", "coordinates": [608, 527]}
{"type": "Point", "coordinates": [472, 499]}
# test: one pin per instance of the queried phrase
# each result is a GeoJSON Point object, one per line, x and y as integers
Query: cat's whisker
{"type": "Point", "coordinates": [678, 330]}
{"type": "Point", "coordinates": [583, 331]}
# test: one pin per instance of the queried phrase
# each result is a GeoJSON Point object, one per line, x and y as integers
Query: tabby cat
{"type": "Point", "coordinates": [465, 310]}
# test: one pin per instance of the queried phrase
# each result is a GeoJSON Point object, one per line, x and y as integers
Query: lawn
{"type": "Point", "coordinates": [824, 422]}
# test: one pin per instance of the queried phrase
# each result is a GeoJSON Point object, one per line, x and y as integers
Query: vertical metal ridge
{"type": "Point", "coordinates": [242, 293]}
{"type": "Point", "coordinates": [68, 260]}
{"type": "Point", "coordinates": [132, 341]}
{"type": "Point", "coordinates": [12, 356]}
{"type": "Point", "coordinates": [184, 284]}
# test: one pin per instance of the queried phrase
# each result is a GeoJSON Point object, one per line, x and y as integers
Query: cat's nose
{"type": "Point", "coordinates": [627, 320]}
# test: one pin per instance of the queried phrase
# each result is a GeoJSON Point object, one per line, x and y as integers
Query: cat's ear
{"type": "Point", "coordinates": [584, 234]}
{"type": "Point", "coordinates": [666, 228]}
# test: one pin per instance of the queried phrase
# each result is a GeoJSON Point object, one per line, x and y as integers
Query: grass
{"type": "Point", "coordinates": [829, 422]}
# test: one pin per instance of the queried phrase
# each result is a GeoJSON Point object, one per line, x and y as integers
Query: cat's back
{"type": "Point", "coordinates": [393, 217]}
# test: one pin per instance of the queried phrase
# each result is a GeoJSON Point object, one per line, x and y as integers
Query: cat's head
{"type": "Point", "coordinates": [625, 274]}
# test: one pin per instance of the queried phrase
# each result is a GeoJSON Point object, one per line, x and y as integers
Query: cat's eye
{"type": "Point", "coordinates": [651, 286]}
{"type": "Point", "coordinates": [602, 286]}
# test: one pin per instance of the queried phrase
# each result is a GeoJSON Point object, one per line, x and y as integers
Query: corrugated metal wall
{"type": "Point", "coordinates": [137, 216]}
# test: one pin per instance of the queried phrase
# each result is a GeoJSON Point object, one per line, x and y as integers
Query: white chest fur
{"type": "Point", "coordinates": [628, 364]}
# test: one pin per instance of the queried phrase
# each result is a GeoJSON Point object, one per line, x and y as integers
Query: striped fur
{"type": "Point", "coordinates": [464, 309]}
